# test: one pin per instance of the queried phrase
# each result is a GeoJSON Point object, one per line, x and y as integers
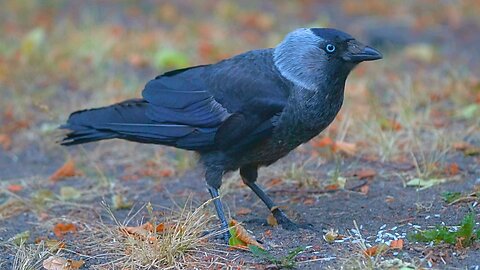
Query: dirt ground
{"type": "Point", "coordinates": [415, 115]}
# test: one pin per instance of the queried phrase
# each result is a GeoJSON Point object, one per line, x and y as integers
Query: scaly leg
{"type": "Point", "coordinates": [214, 181]}
{"type": "Point", "coordinates": [249, 176]}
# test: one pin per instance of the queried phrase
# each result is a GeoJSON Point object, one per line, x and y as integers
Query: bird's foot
{"type": "Point", "coordinates": [287, 224]}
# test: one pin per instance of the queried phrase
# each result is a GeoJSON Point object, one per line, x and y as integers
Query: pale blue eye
{"type": "Point", "coordinates": [330, 48]}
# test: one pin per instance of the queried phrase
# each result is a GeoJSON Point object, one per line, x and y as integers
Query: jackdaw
{"type": "Point", "coordinates": [241, 113]}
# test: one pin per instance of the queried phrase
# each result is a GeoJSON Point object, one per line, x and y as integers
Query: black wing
{"type": "Point", "coordinates": [231, 102]}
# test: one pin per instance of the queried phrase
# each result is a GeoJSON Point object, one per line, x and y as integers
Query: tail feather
{"type": "Point", "coordinates": [91, 125]}
{"type": "Point", "coordinates": [128, 120]}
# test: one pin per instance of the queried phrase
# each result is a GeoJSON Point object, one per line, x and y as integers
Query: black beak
{"type": "Point", "coordinates": [367, 54]}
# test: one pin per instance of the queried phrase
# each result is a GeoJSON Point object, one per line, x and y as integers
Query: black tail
{"type": "Point", "coordinates": [90, 125]}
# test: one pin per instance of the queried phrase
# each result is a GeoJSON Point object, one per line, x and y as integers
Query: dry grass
{"type": "Point", "coordinates": [28, 256]}
{"type": "Point", "coordinates": [183, 243]}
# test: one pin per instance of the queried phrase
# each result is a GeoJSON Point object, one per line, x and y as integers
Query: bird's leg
{"type": "Point", "coordinates": [249, 176]}
{"type": "Point", "coordinates": [214, 181]}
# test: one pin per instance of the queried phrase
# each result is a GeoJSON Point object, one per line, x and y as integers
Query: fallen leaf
{"type": "Point", "coordinates": [309, 201]}
{"type": "Point", "coordinates": [344, 147]}
{"type": "Point", "coordinates": [243, 211]}
{"type": "Point", "coordinates": [20, 238]}
{"type": "Point", "coordinates": [60, 229]}
{"type": "Point", "coordinates": [55, 263]}
{"type": "Point", "coordinates": [332, 187]}
{"type": "Point", "coordinates": [60, 263]}
{"type": "Point", "coordinates": [73, 264]}
{"type": "Point", "coordinates": [273, 182]}
{"type": "Point", "coordinates": [389, 199]}
{"type": "Point", "coordinates": [240, 237]}
{"type": "Point", "coordinates": [271, 220]}
{"type": "Point", "coordinates": [452, 169]}
{"type": "Point", "coordinates": [68, 169]}
{"type": "Point", "coordinates": [51, 244]}
{"type": "Point", "coordinates": [364, 189]}
{"type": "Point", "coordinates": [365, 173]}
{"type": "Point", "coordinates": [142, 230]}
{"type": "Point", "coordinates": [375, 250]}
{"type": "Point", "coordinates": [424, 183]}
{"type": "Point", "coordinates": [396, 244]}
{"type": "Point", "coordinates": [5, 141]}
{"type": "Point", "coordinates": [371, 251]}
{"type": "Point", "coordinates": [15, 188]}
{"type": "Point", "coordinates": [331, 235]}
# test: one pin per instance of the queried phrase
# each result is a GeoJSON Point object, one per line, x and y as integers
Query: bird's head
{"type": "Point", "coordinates": [310, 56]}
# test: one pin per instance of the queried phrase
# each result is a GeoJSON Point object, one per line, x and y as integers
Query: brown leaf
{"type": "Point", "coordinates": [5, 141]}
{"type": "Point", "coordinates": [55, 263]}
{"type": "Point", "coordinates": [396, 244]}
{"type": "Point", "coordinates": [142, 230]}
{"type": "Point", "coordinates": [60, 229]}
{"type": "Point", "coordinates": [389, 199]}
{"type": "Point", "coordinates": [243, 235]}
{"type": "Point", "coordinates": [271, 220]}
{"type": "Point", "coordinates": [60, 263]}
{"type": "Point", "coordinates": [243, 211]}
{"type": "Point", "coordinates": [68, 169]}
{"type": "Point", "coordinates": [309, 201]}
{"type": "Point", "coordinates": [365, 173]}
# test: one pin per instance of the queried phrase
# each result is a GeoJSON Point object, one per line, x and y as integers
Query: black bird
{"type": "Point", "coordinates": [241, 113]}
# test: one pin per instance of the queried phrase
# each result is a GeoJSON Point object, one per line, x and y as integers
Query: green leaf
{"type": "Point", "coordinates": [262, 254]}
{"type": "Point", "coordinates": [451, 196]}
{"type": "Point", "coordinates": [465, 233]}
{"type": "Point", "coordinates": [234, 241]}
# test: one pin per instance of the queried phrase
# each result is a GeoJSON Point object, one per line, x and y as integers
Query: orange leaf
{"type": "Point", "coordinates": [15, 188]}
{"type": "Point", "coordinates": [68, 169]}
{"type": "Point", "coordinates": [5, 141]}
{"type": "Point", "coordinates": [332, 187]}
{"type": "Point", "coordinates": [243, 235]}
{"type": "Point", "coordinates": [397, 244]}
{"type": "Point", "coordinates": [325, 141]}
{"type": "Point", "coordinates": [365, 173]}
{"type": "Point", "coordinates": [60, 229]}
{"type": "Point", "coordinates": [371, 251]}
{"type": "Point", "coordinates": [452, 169]}
{"type": "Point", "coordinates": [344, 147]}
